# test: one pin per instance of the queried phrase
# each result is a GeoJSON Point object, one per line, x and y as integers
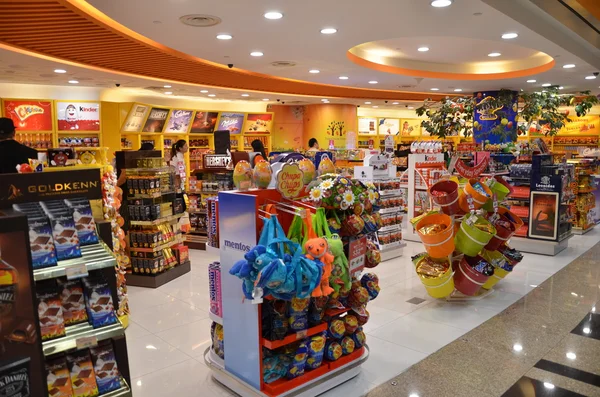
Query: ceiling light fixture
{"type": "Point", "coordinates": [395, 103]}
{"type": "Point", "coordinates": [441, 3]}
{"type": "Point", "coordinates": [546, 85]}
{"type": "Point", "coordinates": [458, 90]}
{"type": "Point", "coordinates": [343, 77]}
{"type": "Point", "coordinates": [245, 94]}
{"type": "Point", "coordinates": [375, 106]}
{"type": "Point", "coordinates": [266, 99]}
{"type": "Point", "coordinates": [569, 66]}
{"type": "Point", "coordinates": [410, 107]}
{"type": "Point", "coordinates": [494, 54]}
{"type": "Point", "coordinates": [373, 82]}
{"type": "Point", "coordinates": [256, 54]}
{"type": "Point", "coordinates": [211, 95]}
{"type": "Point", "coordinates": [435, 89]}
{"type": "Point", "coordinates": [60, 71]}
{"type": "Point", "coordinates": [591, 77]}
{"type": "Point", "coordinates": [273, 15]}
{"type": "Point", "coordinates": [224, 37]}
{"type": "Point", "coordinates": [328, 30]}
{"type": "Point", "coordinates": [531, 81]}
{"type": "Point", "coordinates": [423, 49]}
{"type": "Point", "coordinates": [73, 82]}
{"type": "Point", "coordinates": [510, 36]}
{"type": "Point", "coordinates": [168, 93]}
{"type": "Point", "coordinates": [367, 103]}
{"type": "Point", "coordinates": [324, 100]}
{"type": "Point", "coordinates": [571, 355]}
{"type": "Point", "coordinates": [314, 71]}
{"type": "Point", "coordinates": [204, 91]}
{"type": "Point", "coordinates": [166, 86]}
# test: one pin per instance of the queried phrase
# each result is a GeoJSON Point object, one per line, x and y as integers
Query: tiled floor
{"type": "Point", "coordinates": [169, 328]}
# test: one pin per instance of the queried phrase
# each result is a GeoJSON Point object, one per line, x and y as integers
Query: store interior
{"type": "Point", "coordinates": [235, 199]}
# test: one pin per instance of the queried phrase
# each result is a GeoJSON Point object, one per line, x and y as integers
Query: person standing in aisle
{"type": "Point", "coordinates": [178, 163]}
{"type": "Point", "coordinates": [258, 147]}
{"type": "Point", "coordinates": [313, 145]}
{"type": "Point", "coordinates": [12, 153]}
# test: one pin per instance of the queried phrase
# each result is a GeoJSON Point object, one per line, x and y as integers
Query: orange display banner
{"type": "Point", "coordinates": [29, 115]}
{"type": "Point", "coordinates": [587, 125]}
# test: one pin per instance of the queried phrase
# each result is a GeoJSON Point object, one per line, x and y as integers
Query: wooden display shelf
{"type": "Point", "coordinates": [276, 344]}
{"type": "Point", "coordinates": [156, 280]}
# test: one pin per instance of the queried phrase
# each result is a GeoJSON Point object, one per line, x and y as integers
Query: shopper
{"type": "Point", "coordinates": [178, 162]}
{"type": "Point", "coordinates": [258, 147]}
{"type": "Point", "coordinates": [12, 153]}
{"type": "Point", "coordinates": [313, 145]}
{"type": "Point", "coordinates": [147, 146]}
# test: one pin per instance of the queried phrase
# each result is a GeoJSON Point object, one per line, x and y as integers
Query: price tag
{"type": "Point", "coordinates": [75, 272]}
{"type": "Point", "coordinates": [301, 334]}
{"type": "Point", "coordinates": [472, 219]}
{"type": "Point", "coordinates": [470, 202]}
{"type": "Point", "coordinates": [86, 342]}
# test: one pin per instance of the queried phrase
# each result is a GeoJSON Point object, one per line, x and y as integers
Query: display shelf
{"type": "Point", "coordinates": [160, 247]}
{"type": "Point", "coordinates": [390, 192]}
{"type": "Point", "coordinates": [124, 391]}
{"type": "Point", "coordinates": [390, 228]}
{"type": "Point", "coordinates": [156, 222]}
{"type": "Point", "coordinates": [276, 344]}
{"type": "Point", "coordinates": [93, 257]}
{"type": "Point", "coordinates": [156, 280]}
{"type": "Point", "coordinates": [82, 334]}
{"type": "Point", "coordinates": [391, 210]}
{"type": "Point", "coordinates": [151, 195]}
{"type": "Point", "coordinates": [282, 385]}
{"type": "Point", "coordinates": [215, 318]}
{"type": "Point", "coordinates": [540, 247]}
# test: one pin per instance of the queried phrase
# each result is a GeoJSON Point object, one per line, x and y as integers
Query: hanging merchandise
{"type": "Point", "coordinates": [326, 165]}
{"type": "Point", "coordinates": [308, 170]}
{"type": "Point", "coordinates": [262, 174]}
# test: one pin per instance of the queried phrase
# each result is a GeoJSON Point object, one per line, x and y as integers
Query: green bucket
{"type": "Point", "coordinates": [469, 239]}
{"type": "Point", "coordinates": [501, 192]}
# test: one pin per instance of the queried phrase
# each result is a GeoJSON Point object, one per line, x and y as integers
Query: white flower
{"type": "Point", "coordinates": [316, 194]}
{"type": "Point", "coordinates": [326, 184]}
{"type": "Point", "coordinates": [348, 198]}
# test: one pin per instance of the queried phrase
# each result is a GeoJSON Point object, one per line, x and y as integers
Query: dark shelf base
{"type": "Point", "coordinates": [155, 281]}
{"type": "Point", "coordinates": [195, 246]}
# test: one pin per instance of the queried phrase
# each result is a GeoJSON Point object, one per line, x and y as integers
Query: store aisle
{"type": "Point", "coordinates": [170, 328]}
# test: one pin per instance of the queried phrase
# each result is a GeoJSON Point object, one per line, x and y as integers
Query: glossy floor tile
{"type": "Point", "coordinates": [170, 328]}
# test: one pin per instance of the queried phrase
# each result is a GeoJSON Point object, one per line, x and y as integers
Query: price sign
{"type": "Point", "coordinates": [75, 272]}
{"type": "Point", "coordinates": [86, 342]}
{"type": "Point", "coordinates": [357, 251]}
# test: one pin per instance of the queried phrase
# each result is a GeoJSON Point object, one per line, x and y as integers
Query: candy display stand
{"type": "Point", "coordinates": [241, 370]}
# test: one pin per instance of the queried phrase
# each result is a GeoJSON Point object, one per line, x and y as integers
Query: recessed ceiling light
{"type": "Point", "coordinates": [569, 66]}
{"type": "Point", "coordinates": [343, 77]}
{"type": "Point", "coordinates": [324, 100]}
{"type": "Point", "coordinates": [245, 94]}
{"type": "Point", "coordinates": [224, 37]}
{"type": "Point", "coordinates": [61, 71]}
{"type": "Point", "coordinates": [394, 103]}
{"type": "Point", "coordinates": [73, 82]}
{"type": "Point", "coordinates": [494, 54]}
{"type": "Point", "coordinates": [441, 3]}
{"type": "Point", "coordinates": [329, 30]}
{"type": "Point", "coordinates": [423, 49]}
{"type": "Point", "coordinates": [256, 54]}
{"type": "Point", "coordinates": [410, 107]}
{"type": "Point", "coordinates": [166, 86]}
{"type": "Point", "coordinates": [273, 15]}
{"type": "Point", "coordinates": [531, 81]}
{"type": "Point", "coordinates": [367, 103]}
{"type": "Point", "coordinates": [266, 99]}
{"type": "Point", "coordinates": [314, 71]}
{"type": "Point", "coordinates": [509, 36]}
{"type": "Point", "coordinates": [435, 89]}
{"type": "Point", "coordinates": [458, 90]}
{"type": "Point", "coordinates": [204, 91]}
{"type": "Point", "coordinates": [571, 355]}
{"type": "Point", "coordinates": [375, 106]}
{"type": "Point", "coordinates": [373, 82]}
{"type": "Point", "coordinates": [592, 77]}
{"type": "Point", "coordinates": [546, 85]}
{"type": "Point", "coordinates": [211, 95]}
{"type": "Point", "coordinates": [168, 93]}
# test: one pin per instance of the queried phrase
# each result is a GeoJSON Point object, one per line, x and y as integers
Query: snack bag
{"type": "Point", "coordinates": [316, 350]}
{"type": "Point", "coordinates": [333, 350]}
{"type": "Point", "coordinates": [299, 362]}
{"type": "Point", "coordinates": [298, 309]}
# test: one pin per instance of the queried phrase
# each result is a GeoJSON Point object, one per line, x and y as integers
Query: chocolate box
{"type": "Point", "coordinates": [81, 369]}
{"type": "Point", "coordinates": [66, 240]}
{"type": "Point", "coordinates": [52, 324]}
{"type": "Point", "coordinates": [73, 302]}
{"type": "Point", "coordinates": [107, 372]}
{"type": "Point", "coordinates": [99, 303]}
{"type": "Point", "coordinates": [84, 221]}
{"type": "Point", "coordinates": [43, 251]}
{"type": "Point", "coordinates": [58, 378]}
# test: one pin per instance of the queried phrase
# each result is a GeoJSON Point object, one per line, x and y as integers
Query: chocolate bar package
{"type": "Point", "coordinates": [108, 376]}
{"type": "Point", "coordinates": [84, 221]}
{"type": "Point", "coordinates": [81, 369]}
{"type": "Point", "coordinates": [99, 302]}
{"type": "Point", "coordinates": [58, 377]}
{"type": "Point", "coordinates": [43, 251]}
{"type": "Point", "coordinates": [66, 240]}
{"type": "Point", "coordinates": [73, 303]}
{"type": "Point", "coordinates": [15, 379]}
{"type": "Point", "coordinates": [61, 157]}
{"type": "Point", "coordinates": [24, 332]}
{"type": "Point", "coordinates": [52, 324]}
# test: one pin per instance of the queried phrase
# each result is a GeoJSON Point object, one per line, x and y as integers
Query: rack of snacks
{"type": "Point", "coordinates": [59, 329]}
{"type": "Point", "coordinates": [583, 206]}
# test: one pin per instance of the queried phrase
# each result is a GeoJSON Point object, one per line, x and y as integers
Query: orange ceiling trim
{"type": "Point", "coordinates": [152, 60]}
{"type": "Point", "coordinates": [592, 6]}
{"type": "Point", "coordinates": [446, 75]}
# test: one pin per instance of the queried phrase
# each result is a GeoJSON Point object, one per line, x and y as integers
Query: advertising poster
{"type": "Point", "coordinates": [410, 127]}
{"type": "Point", "coordinates": [29, 115]}
{"type": "Point", "coordinates": [179, 121]}
{"type": "Point", "coordinates": [232, 122]}
{"type": "Point", "coordinates": [367, 126]}
{"type": "Point", "coordinates": [136, 117]}
{"type": "Point", "coordinates": [488, 116]}
{"type": "Point", "coordinates": [156, 120]}
{"type": "Point", "coordinates": [587, 125]}
{"type": "Point", "coordinates": [389, 126]}
{"type": "Point", "coordinates": [258, 123]}
{"type": "Point", "coordinates": [78, 116]}
{"type": "Point", "coordinates": [543, 217]}
{"type": "Point", "coordinates": [204, 122]}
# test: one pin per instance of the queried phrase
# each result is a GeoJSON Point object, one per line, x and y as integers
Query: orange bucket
{"type": "Point", "coordinates": [478, 199]}
{"type": "Point", "coordinates": [441, 244]}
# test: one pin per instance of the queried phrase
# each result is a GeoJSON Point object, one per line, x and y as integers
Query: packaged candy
{"type": "Point", "coordinates": [83, 378]}
{"type": "Point", "coordinates": [316, 351]}
{"type": "Point", "coordinates": [73, 303]}
{"type": "Point", "coordinates": [352, 225]}
{"type": "Point", "coordinates": [347, 344]}
{"type": "Point", "coordinates": [273, 368]}
{"type": "Point", "coordinates": [333, 350]}
{"type": "Point", "coordinates": [350, 324]}
{"type": "Point", "coordinates": [298, 314]}
{"type": "Point", "coordinates": [99, 303]}
{"type": "Point", "coordinates": [370, 282]}
{"type": "Point", "coordinates": [358, 295]}
{"type": "Point", "coordinates": [432, 229]}
{"type": "Point", "coordinates": [477, 186]}
{"type": "Point", "coordinates": [513, 256]}
{"type": "Point", "coordinates": [217, 339]}
{"type": "Point", "coordinates": [480, 265]}
{"type": "Point", "coordinates": [107, 373]}
{"type": "Point", "coordinates": [359, 338]}
{"type": "Point", "coordinates": [58, 378]}
{"type": "Point", "coordinates": [336, 329]}
{"type": "Point", "coordinates": [274, 321]}
{"type": "Point", "coordinates": [370, 224]}
{"type": "Point", "coordinates": [429, 267]}
{"type": "Point", "coordinates": [361, 314]}
{"type": "Point", "coordinates": [316, 310]}
{"type": "Point", "coordinates": [50, 312]}
{"type": "Point", "coordinates": [299, 361]}
{"type": "Point", "coordinates": [214, 287]}
{"type": "Point", "coordinates": [373, 256]}
{"type": "Point", "coordinates": [84, 220]}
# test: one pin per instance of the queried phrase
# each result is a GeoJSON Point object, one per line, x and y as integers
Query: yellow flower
{"type": "Point", "coordinates": [316, 194]}
{"type": "Point", "coordinates": [348, 197]}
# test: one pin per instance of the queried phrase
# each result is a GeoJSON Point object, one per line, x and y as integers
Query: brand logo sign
{"type": "Point", "coordinates": [289, 181]}
{"type": "Point", "coordinates": [486, 110]}
{"type": "Point", "coordinates": [216, 161]}
{"type": "Point", "coordinates": [237, 246]}
{"type": "Point", "coordinates": [26, 111]}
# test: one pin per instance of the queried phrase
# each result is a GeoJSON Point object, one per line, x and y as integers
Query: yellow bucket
{"type": "Point", "coordinates": [440, 287]}
{"type": "Point", "coordinates": [496, 259]}
{"type": "Point", "coordinates": [498, 275]}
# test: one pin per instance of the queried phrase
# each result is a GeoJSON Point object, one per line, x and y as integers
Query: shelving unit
{"type": "Point", "coordinates": [583, 221]}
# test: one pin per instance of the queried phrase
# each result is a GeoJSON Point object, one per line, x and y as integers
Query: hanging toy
{"type": "Point", "coordinates": [317, 249]}
{"type": "Point", "coordinates": [340, 274]}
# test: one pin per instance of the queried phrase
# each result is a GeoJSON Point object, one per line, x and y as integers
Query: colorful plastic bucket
{"type": "Point", "coordinates": [502, 235]}
{"type": "Point", "coordinates": [501, 192]}
{"type": "Point", "coordinates": [441, 244]}
{"type": "Point", "coordinates": [478, 199]}
{"type": "Point", "coordinates": [440, 287]}
{"type": "Point", "coordinates": [512, 217]}
{"type": "Point", "coordinates": [466, 279]}
{"type": "Point", "coordinates": [501, 267]}
{"type": "Point", "coordinates": [469, 239]}
{"type": "Point", "coordinates": [449, 202]}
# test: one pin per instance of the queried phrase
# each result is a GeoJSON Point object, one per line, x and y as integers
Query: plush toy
{"type": "Point", "coordinates": [340, 273]}
{"type": "Point", "coordinates": [318, 249]}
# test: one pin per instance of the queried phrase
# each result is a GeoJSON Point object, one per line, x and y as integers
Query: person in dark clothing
{"type": "Point", "coordinates": [12, 153]}
{"type": "Point", "coordinates": [258, 147]}
{"type": "Point", "coordinates": [147, 146]}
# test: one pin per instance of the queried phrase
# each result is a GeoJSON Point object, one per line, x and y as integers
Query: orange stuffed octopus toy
{"type": "Point", "coordinates": [318, 249]}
